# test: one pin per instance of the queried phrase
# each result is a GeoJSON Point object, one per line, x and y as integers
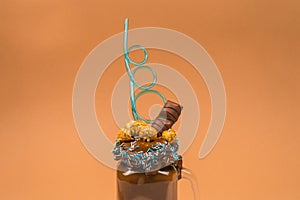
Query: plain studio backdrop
{"type": "Point", "coordinates": [255, 45]}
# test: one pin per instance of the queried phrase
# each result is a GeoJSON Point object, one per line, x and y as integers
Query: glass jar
{"type": "Point", "coordinates": [159, 185]}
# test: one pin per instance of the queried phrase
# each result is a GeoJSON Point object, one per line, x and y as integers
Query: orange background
{"type": "Point", "coordinates": [254, 43]}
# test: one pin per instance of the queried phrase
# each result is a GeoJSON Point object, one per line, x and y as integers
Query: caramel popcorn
{"type": "Point", "coordinates": [123, 135]}
{"type": "Point", "coordinates": [169, 135]}
{"type": "Point", "coordinates": [137, 129]}
{"type": "Point", "coordinates": [148, 133]}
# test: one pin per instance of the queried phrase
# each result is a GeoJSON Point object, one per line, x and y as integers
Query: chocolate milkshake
{"type": "Point", "coordinates": [148, 164]}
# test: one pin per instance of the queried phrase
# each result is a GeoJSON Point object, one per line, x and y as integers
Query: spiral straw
{"type": "Point", "coordinates": [138, 66]}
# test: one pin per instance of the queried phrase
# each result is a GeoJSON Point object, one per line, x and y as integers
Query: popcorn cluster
{"type": "Point", "coordinates": [140, 130]}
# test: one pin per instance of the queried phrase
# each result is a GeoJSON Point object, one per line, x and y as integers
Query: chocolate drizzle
{"type": "Point", "coordinates": [167, 117]}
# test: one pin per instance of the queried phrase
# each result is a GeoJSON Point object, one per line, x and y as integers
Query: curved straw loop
{"type": "Point", "coordinates": [138, 66]}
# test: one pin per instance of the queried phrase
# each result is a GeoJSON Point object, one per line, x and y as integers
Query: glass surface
{"type": "Point", "coordinates": [160, 185]}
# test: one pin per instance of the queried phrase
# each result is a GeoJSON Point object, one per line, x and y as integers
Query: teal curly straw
{"type": "Point", "coordinates": [138, 65]}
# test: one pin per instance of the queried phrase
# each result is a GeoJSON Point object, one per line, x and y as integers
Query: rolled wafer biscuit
{"type": "Point", "coordinates": [167, 117]}
{"type": "Point", "coordinates": [161, 125]}
{"type": "Point", "coordinates": [174, 106]}
{"type": "Point", "coordinates": [167, 113]}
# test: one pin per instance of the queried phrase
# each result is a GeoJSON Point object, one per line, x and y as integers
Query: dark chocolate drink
{"type": "Point", "coordinates": [140, 186]}
{"type": "Point", "coordinates": [159, 185]}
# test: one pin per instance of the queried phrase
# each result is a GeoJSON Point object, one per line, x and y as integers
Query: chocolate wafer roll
{"type": "Point", "coordinates": [167, 116]}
